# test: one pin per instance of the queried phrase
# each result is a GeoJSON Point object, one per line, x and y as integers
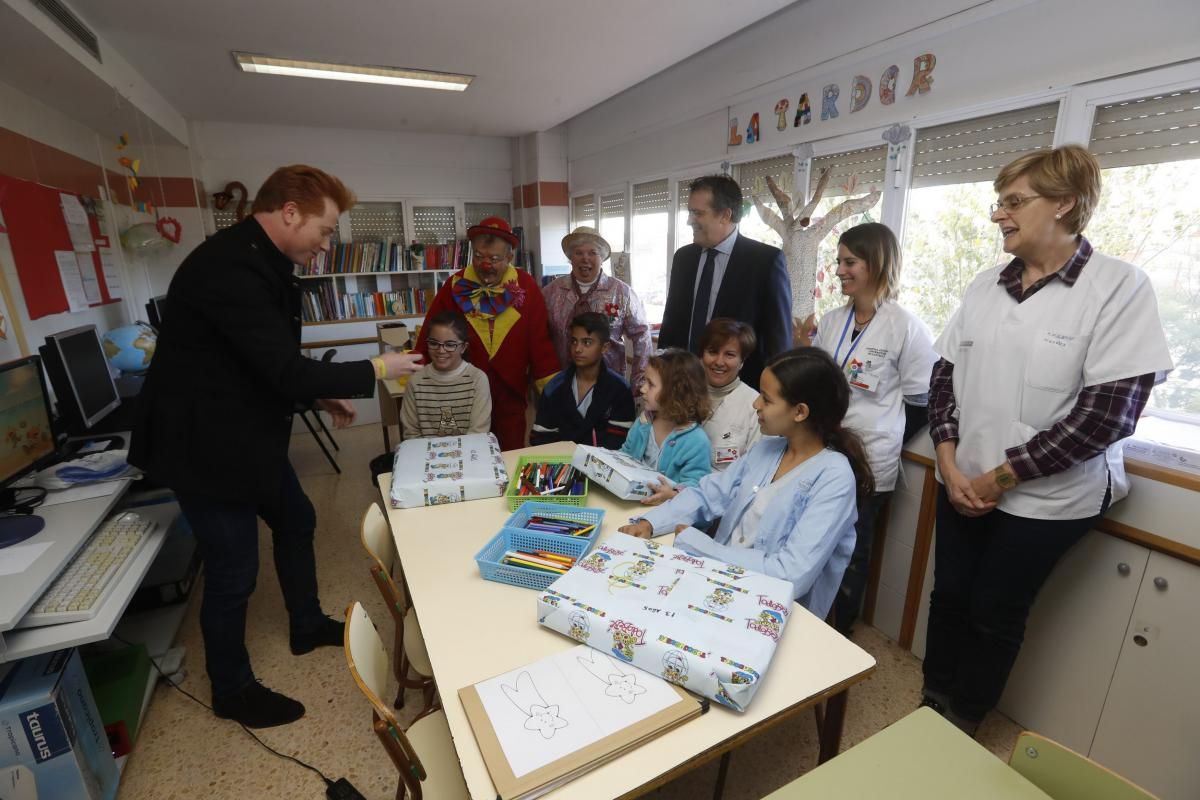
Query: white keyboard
{"type": "Point", "coordinates": [81, 589]}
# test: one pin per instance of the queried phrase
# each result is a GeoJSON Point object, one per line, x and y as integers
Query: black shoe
{"type": "Point", "coordinates": [328, 633]}
{"type": "Point", "coordinates": [256, 706]}
{"type": "Point", "coordinates": [929, 702]}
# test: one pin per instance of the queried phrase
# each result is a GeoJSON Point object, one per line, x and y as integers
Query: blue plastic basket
{"type": "Point", "coordinates": [586, 516]}
{"type": "Point", "coordinates": [492, 569]}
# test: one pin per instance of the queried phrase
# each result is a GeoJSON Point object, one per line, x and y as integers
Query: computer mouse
{"type": "Point", "coordinates": [17, 783]}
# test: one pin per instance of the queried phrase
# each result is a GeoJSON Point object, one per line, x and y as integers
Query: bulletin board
{"type": "Point", "coordinates": [33, 215]}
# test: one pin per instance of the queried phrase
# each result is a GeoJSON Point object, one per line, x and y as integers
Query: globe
{"type": "Point", "coordinates": [130, 348]}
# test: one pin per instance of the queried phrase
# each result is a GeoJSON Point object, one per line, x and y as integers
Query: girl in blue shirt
{"type": "Point", "coordinates": [667, 436]}
{"type": "Point", "coordinates": [789, 506]}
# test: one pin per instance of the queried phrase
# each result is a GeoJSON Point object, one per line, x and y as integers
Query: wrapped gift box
{"type": "Point", "coordinates": [705, 625]}
{"type": "Point", "coordinates": [447, 469]}
{"type": "Point", "coordinates": [623, 475]}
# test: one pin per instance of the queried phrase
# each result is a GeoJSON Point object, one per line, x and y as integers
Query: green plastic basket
{"type": "Point", "coordinates": [515, 500]}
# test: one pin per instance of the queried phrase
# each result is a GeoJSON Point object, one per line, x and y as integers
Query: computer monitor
{"type": "Point", "coordinates": [27, 440]}
{"type": "Point", "coordinates": [83, 384]}
{"type": "Point", "coordinates": [156, 309]}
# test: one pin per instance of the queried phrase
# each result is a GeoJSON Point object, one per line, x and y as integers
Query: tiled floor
{"type": "Point", "coordinates": [185, 752]}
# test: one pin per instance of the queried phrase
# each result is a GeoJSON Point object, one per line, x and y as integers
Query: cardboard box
{"type": "Point", "coordinates": [447, 469]}
{"type": "Point", "coordinates": [52, 742]}
{"type": "Point", "coordinates": [705, 625]}
{"type": "Point", "coordinates": [621, 474]}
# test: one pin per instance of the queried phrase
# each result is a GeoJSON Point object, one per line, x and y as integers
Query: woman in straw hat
{"type": "Point", "coordinates": [588, 288]}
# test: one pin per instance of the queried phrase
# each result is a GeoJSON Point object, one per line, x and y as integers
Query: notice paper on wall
{"type": "Point", "coordinates": [77, 224]}
{"type": "Point", "coordinates": [87, 274]}
{"type": "Point", "coordinates": [112, 277]}
{"type": "Point", "coordinates": [68, 271]}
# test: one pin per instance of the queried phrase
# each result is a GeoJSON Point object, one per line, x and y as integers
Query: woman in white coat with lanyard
{"type": "Point", "coordinates": [886, 353]}
{"type": "Point", "coordinates": [1044, 369]}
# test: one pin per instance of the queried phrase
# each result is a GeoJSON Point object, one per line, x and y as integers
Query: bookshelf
{"type": "Point", "coordinates": [390, 259]}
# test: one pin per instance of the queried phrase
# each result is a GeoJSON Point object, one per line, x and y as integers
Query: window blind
{"type": "Point", "coordinates": [976, 149]}
{"type": "Point", "coordinates": [1150, 130]}
{"type": "Point", "coordinates": [859, 171]}
{"type": "Point", "coordinates": [475, 213]}
{"type": "Point", "coordinates": [583, 211]}
{"type": "Point", "coordinates": [377, 221]}
{"type": "Point", "coordinates": [652, 197]}
{"type": "Point", "coordinates": [752, 175]}
{"type": "Point", "coordinates": [434, 224]}
{"type": "Point", "coordinates": [612, 206]}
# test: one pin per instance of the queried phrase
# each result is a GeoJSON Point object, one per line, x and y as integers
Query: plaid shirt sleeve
{"type": "Point", "coordinates": [1103, 414]}
{"type": "Point", "coordinates": [943, 425]}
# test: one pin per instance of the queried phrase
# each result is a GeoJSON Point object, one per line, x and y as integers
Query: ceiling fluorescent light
{"type": "Point", "coordinates": [422, 79]}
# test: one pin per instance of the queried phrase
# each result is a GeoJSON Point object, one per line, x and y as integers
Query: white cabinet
{"type": "Point", "coordinates": [1073, 639]}
{"type": "Point", "coordinates": [1150, 729]}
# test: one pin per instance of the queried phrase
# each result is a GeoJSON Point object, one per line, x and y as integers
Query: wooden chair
{"type": "Point", "coordinates": [410, 659]}
{"type": "Point", "coordinates": [1066, 775]}
{"type": "Point", "coordinates": [424, 755]}
{"type": "Point", "coordinates": [392, 336]}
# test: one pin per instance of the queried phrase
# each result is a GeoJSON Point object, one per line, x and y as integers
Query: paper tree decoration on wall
{"type": "Point", "coordinates": [802, 235]}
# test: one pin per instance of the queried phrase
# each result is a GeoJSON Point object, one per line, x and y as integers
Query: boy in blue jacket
{"type": "Point", "coordinates": [587, 403]}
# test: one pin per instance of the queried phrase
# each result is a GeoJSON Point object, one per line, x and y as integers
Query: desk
{"type": "Point", "coordinates": [922, 756]}
{"type": "Point", "coordinates": [68, 526]}
{"type": "Point", "coordinates": [475, 629]}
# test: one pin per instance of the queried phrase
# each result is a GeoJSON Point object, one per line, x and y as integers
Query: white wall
{"type": "Point", "coordinates": [985, 52]}
{"type": "Point", "coordinates": [377, 165]}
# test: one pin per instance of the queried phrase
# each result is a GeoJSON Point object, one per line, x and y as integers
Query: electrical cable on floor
{"type": "Point", "coordinates": [340, 788]}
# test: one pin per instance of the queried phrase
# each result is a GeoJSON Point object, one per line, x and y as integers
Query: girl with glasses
{"type": "Point", "coordinates": [449, 396]}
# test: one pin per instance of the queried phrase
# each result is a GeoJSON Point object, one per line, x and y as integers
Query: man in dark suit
{"type": "Point", "coordinates": [725, 274]}
{"type": "Point", "coordinates": [215, 418]}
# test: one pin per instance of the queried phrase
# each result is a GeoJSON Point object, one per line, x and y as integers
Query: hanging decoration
{"type": "Point", "coordinates": [222, 199]}
{"type": "Point", "coordinates": [781, 109]}
{"type": "Point", "coordinates": [861, 91]}
{"type": "Point", "coordinates": [752, 129]}
{"type": "Point", "coordinates": [170, 229]}
{"type": "Point", "coordinates": [122, 142]}
{"type": "Point", "coordinates": [802, 235]}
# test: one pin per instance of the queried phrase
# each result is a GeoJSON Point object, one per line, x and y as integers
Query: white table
{"type": "Point", "coordinates": [475, 629]}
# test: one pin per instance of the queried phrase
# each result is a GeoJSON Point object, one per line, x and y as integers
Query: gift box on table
{"type": "Point", "coordinates": [447, 469]}
{"type": "Point", "coordinates": [705, 625]}
{"type": "Point", "coordinates": [621, 474]}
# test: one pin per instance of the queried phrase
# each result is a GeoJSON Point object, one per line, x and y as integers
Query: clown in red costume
{"type": "Point", "coordinates": [509, 334]}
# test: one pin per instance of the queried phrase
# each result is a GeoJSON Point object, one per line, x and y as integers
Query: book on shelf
{"type": "Point", "coordinates": [322, 303]}
{"type": "Point", "coordinates": [387, 255]}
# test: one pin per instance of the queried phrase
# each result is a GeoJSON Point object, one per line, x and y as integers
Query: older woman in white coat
{"type": "Point", "coordinates": [1044, 369]}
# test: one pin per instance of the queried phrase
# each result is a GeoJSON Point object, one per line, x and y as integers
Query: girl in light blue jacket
{"type": "Point", "coordinates": [667, 436]}
{"type": "Point", "coordinates": [789, 506]}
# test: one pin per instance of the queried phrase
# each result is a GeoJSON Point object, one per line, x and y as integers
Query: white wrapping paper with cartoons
{"type": "Point", "coordinates": [705, 625]}
{"type": "Point", "coordinates": [447, 469]}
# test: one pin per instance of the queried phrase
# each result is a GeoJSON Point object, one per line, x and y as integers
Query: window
{"type": "Point", "coordinates": [612, 219]}
{"type": "Point", "coordinates": [851, 174]}
{"type": "Point", "coordinates": [752, 177]}
{"type": "Point", "coordinates": [1149, 215]}
{"type": "Point", "coordinates": [475, 213]}
{"type": "Point", "coordinates": [683, 234]}
{"type": "Point", "coordinates": [434, 224]}
{"type": "Point", "coordinates": [583, 211]}
{"type": "Point", "coordinates": [948, 233]}
{"type": "Point", "coordinates": [376, 222]}
{"type": "Point", "coordinates": [649, 259]}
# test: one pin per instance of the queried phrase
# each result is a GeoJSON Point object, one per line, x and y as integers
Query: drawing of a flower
{"type": "Point", "coordinates": [624, 687]}
{"type": "Point", "coordinates": [545, 720]}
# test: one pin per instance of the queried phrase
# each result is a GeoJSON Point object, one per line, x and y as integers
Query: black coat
{"type": "Point", "coordinates": [755, 289]}
{"type": "Point", "coordinates": [608, 419]}
{"type": "Point", "coordinates": [215, 412]}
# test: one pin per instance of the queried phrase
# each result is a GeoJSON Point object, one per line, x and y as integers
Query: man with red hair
{"type": "Point", "coordinates": [215, 419]}
{"type": "Point", "coordinates": [510, 330]}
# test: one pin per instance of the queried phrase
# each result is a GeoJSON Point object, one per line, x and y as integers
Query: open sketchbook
{"type": "Point", "coordinates": [546, 723]}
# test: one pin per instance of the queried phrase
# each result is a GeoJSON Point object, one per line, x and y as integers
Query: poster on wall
{"type": "Point", "coordinates": [10, 335]}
